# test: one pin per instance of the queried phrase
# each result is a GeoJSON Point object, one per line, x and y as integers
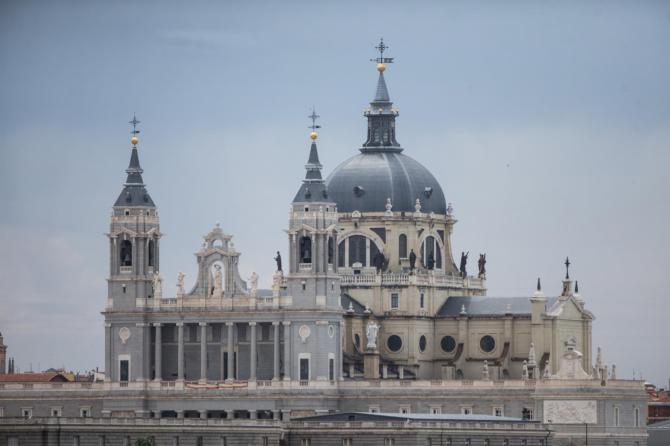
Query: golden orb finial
{"type": "Point", "coordinates": [313, 135]}
{"type": "Point", "coordinates": [134, 140]}
{"type": "Point", "coordinates": [381, 67]}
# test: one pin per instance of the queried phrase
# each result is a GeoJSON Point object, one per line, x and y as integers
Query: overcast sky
{"type": "Point", "coordinates": [547, 124]}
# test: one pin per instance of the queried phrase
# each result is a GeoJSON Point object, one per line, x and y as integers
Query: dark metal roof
{"type": "Point", "coordinates": [346, 299]}
{"type": "Point", "coordinates": [313, 188]}
{"type": "Point", "coordinates": [382, 416]}
{"type": "Point", "coordinates": [364, 182]}
{"type": "Point", "coordinates": [483, 305]}
{"type": "Point", "coordinates": [134, 192]}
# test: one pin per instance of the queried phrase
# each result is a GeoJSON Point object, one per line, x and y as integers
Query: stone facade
{"type": "Point", "coordinates": [369, 313]}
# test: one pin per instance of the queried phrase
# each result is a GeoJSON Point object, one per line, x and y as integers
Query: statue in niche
{"type": "Point", "coordinates": [481, 263]}
{"type": "Point", "coordinates": [412, 260]}
{"type": "Point", "coordinates": [180, 284]}
{"type": "Point", "coordinates": [371, 332]}
{"type": "Point", "coordinates": [158, 286]}
{"type": "Point", "coordinates": [278, 260]}
{"type": "Point", "coordinates": [253, 284]}
{"type": "Point", "coordinates": [218, 282]}
{"type": "Point", "coordinates": [464, 262]}
{"type": "Point", "coordinates": [305, 250]}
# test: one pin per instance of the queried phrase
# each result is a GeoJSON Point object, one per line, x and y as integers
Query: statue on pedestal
{"type": "Point", "coordinates": [253, 284]}
{"type": "Point", "coordinates": [412, 260]}
{"type": "Point", "coordinates": [371, 333]}
{"type": "Point", "coordinates": [180, 284]}
{"type": "Point", "coordinates": [278, 260]}
{"type": "Point", "coordinates": [158, 286]}
{"type": "Point", "coordinates": [481, 263]}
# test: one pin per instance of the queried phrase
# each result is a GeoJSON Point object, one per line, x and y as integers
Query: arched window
{"type": "Point", "coordinates": [305, 250]}
{"type": "Point", "coordinates": [431, 254]}
{"type": "Point", "coordinates": [330, 250]}
{"type": "Point", "coordinates": [402, 246]}
{"type": "Point", "coordinates": [126, 253]}
{"type": "Point", "coordinates": [340, 254]}
{"type": "Point", "coordinates": [151, 255]}
{"type": "Point", "coordinates": [357, 250]}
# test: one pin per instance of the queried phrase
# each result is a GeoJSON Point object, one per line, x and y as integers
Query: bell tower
{"type": "Point", "coordinates": [134, 253]}
{"type": "Point", "coordinates": [313, 285]}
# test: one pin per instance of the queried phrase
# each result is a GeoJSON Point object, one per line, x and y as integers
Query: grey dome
{"type": "Point", "coordinates": [364, 182]}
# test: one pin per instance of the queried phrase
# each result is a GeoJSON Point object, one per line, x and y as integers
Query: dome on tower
{"type": "Point", "coordinates": [364, 183]}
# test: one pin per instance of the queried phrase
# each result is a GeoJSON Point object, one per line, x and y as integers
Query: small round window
{"type": "Point", "coordinates": [487, 343]}
{"type": "Point", "coordinates": [357, 341]}
{"type": "Point", "coordinates": [394, 343]}
{"type": "Point", "coordinates": [448, 344]}
{"type": "Point", "coordinates": [422, 343]}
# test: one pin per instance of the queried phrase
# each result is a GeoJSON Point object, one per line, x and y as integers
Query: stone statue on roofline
{"type": "Point", "coordinates": [253, 284]}
{"type": "Point", "coordinates": [481, 263]}
{"type": "Point", "coordinates": [158, 286]}
{"type": "Point", "coordinates": [180, 284]}
{"type": "Point", "coordinates": [464, 262]}
{"type": "Point", "coordinates": [371, 332]}
{"type": "Point", "coordinates": [278, 260]}
{"type": "Point", "coordinates": [412, 260]}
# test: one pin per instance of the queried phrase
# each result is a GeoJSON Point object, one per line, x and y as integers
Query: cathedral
{"type": "Point", "coordinates": [372, 333]}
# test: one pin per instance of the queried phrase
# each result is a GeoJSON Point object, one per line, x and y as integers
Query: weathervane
{"type": "Point", "coordinates": [135, 132]}
{"type": "Point", "coordinates": [567, 268]}
{"type": "Point", "coordinates": [381, 48]}
{"type": "Point", "coordinates": [314, 125]}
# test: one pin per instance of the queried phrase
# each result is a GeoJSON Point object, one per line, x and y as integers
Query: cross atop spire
{"type": "Point", "coordinates": [381, 48]}
{"type": "Point", "coordinates": [134, 122]}
{"type": "Point", "coordinates": [314, 117]}
{"type": "Point", "coordinates": [567, 268]}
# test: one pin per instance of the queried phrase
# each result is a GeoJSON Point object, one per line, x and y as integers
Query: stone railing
{"type": "Point", "coordinates": [438, 279]}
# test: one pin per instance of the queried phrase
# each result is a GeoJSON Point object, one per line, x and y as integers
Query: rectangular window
{"type": "Point", "coordinates": [616, 416]}
{"type": "Point", "coordinates": [466, 410]}
{"type": "Point", "coordinates": [331, 369]}
{"type": "Point", "coordinates": [265, 332]}
{"type": "Point", "coordinates": [435, 410]}
{"type": "Point", "coordinates": [304, 369]}
{"type": "Point", "coordinates": [637, 417]}
{"type": "Point", "coordinates": [394, 301]}
{"type": "Point", "coordinates": [422, 303]}
{"type": "Point", "coordinates": [27, 412]}
{"type": "Point", "coordinates": [85, 412]}
{"type": "Point", "coordinates": [527, 414]}
{"type": "Point", "coordinates": [404, 410]}
{"type": "Point", "coordinates": [498, 412]}
{"type": "Point", "coordinates": [56, 411]}
{"type": "Point", "coordinates": [124, 372]}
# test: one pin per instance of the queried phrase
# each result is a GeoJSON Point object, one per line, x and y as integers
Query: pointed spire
{"type": "Point", "coordinates": [381, 116]}
{"type": "Point", "coordinates": [313, 187]}
{"type": "Point", "coordinates": [134, 192]}
{"type": "Point", "coordinates": [382, 94]}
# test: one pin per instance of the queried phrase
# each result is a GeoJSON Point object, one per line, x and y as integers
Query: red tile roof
{"type": "Point", "coordinates": [32, 378]}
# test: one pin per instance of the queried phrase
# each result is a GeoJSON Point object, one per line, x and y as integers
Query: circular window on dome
{"type": "Point", "coordinates": [448, 344]}
{"type": "Point", "coordinates": [394, 343]}
{"type": "Point", "coordinates": [357, 341]}
{"type": "Point", "coordinates": [487, 343]}
{"type": "Point", "coordinates": [422, 343]}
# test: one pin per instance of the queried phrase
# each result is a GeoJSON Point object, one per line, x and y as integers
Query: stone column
{"type": "Point", "coordinates": [253, 414]}
{"type": "Point", "coordinates": [275, 357]}
{"type": "Point", "coordinates": [203, 414]}
{"type": "Point", "coordinates": [252, 352]}
{"type": "Point", "coordinates": [158, 354]}
{"type": "Point", "coordinates": [203, 352]}
{"type": "Point", "coordinates": [287, 350]}
{"type": "Point", "coordinates": [231, 352]}
{"type": "Point", "coordinates": [180, 351]}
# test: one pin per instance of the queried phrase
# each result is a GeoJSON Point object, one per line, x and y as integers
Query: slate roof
{"type": "Point", "coordinates": [345, 299]}
{"type": "Point", "coordinates": [364, 182]}
{"type": "Point", "coordinates": [313, 188]}
{"type": "Point", "coordinates": [484, 305]}
{"type": "Point", "coordinates": [134, 192]}
{"type": "Point", "coordinates": [386, 416]}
